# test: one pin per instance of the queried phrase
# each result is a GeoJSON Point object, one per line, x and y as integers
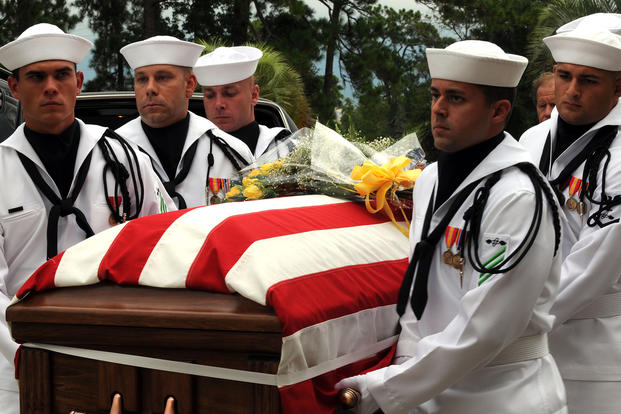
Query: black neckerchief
{"type": "Point", "coordinates": [567, 134]}
{"type": "Point", "coordinates": [249, 134]}
{"type": "Point", "coordinates": [58, 153]}
{"type": "Point", "coordinates": [454, 168]}
{"type": "Point", "coordinates": [168, 143]}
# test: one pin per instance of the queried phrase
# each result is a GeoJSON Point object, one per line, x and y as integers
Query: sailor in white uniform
{"type": "Point", "coordinates": [579, 150]}
{"type": "Point", "coordinates": [230, 95]}
{"type": "Point", "coordinates": [474, 303]}
{"type": "Point", "coordinates": [62, 180]}
{"type": "Point", "coordinates": [193, 158]}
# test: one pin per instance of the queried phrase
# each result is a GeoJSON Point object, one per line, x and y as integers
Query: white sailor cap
{"type": "Point", "coordinates": [40, 42]}
{"type": "Point", "coordinates": [161, 50]}
{"type": "Point", "coordinates": [593, 40]}
{"type": "Point", "coordinates": [608, 21]}
{"type": "Point", "coordinates": [227, 65]}
{"type": "Point", "coordinates": [477, 62]}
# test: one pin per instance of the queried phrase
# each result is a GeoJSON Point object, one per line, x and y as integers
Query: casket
{"type": "Point", "coordinates": [297, 292]}
{"type": "Point", "coordinates": [205, 328]}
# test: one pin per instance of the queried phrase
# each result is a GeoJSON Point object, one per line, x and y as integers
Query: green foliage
{"type": "Point", "coordinates": [508, 24]}
{"type": "Point", "coordinates": [387, 67]}
{"type": "Point", "coordinates": [16, 16]}
{"type": "Point", "coordinates": [379, 51]}
{"type": "Point", "coordinates": [553, 16]}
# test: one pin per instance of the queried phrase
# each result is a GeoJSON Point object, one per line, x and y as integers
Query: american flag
{"type": "Point", "coordinates": [330, 270]}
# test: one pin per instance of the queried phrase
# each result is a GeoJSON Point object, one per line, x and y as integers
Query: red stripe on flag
{"type": "Point", "coordinates": [318, 297]}
{"type": "Point", "coordinates": [42, 278]}
{"type": "Point", "coordinates": [125, 257]}
{"type": "Point", "coordinates": [228, 241]}
{"type": "Point", "coordinates": [318, 396]}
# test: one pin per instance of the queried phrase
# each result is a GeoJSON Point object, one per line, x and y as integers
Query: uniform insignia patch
{"type": "Point", "coordinates": [603, 218]}
{"type": "Point", "coordinates": [495, 242]}
{"type": "Point", "coordinates": [493, 252]}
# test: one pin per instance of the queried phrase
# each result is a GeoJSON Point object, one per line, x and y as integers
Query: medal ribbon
{"type": "Point", "coordinates": [575, 185]}
{"type": "Point", "coordinates": [462, 240]}
{"type": "Point", "coordinates": [217, 184]}
{"type": "Point", "coordinates": [451, 234]}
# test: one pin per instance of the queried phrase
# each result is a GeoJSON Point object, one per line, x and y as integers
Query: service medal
{"type": "Point", "coordinates": [457, 261]}
{"type": "Point", "coordinates": [447, 257]}
{"type": "Point", "coordinates": [571, 203]}
{"type": "Point", "coordinates": [581, 208]}
{"type": "Point", "coordinates": [574, 187]}
{"type": "Point", "coordinates": [451, 234]}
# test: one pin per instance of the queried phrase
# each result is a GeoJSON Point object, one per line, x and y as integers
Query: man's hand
{"type": "Point", "coordinates": [117, 405]}
{"type": "Point", "coordinates": [366, 404]}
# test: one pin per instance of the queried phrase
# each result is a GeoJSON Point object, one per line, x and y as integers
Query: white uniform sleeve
{"type": "Point", "coordinates": [8, 347]}
{"type": "Point", "coordinates": [490, 316]}
{"type": "Point", "coordinates": [589, 271]}
{"type": "Point", "coordinates": [593, 265]}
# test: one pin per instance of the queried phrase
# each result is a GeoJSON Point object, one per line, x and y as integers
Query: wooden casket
{"type": "Point", "coordinates": [316, 280]}
{"type": "Point", "coordinates": [205, 328]}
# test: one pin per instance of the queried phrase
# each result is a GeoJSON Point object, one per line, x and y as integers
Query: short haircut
{"type": "Point", "coordinates": [497, 93]}
{"type": "Point", "coordinates": [541, 79]}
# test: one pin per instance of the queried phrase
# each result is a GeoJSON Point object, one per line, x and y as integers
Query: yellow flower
{"type": "Point", "coordinates": [277, 164]}
{"type": "Point", "coordinates": [265, 168]}
{"type": "Point", "coordinates": [247, 181]}
{"type": "Point", "coordinates": [233, 192]}
{"type": "Point", "coordinates": [379, 179]}
{"type": "Point", "coordinates": [252, 192]}
{"type": "Point", "coordinates": [254, 173]}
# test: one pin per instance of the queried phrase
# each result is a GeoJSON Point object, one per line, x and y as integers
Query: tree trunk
{"type": "Point", "coordinates": [241, 19]}
{"type": "Point", "coordinates": [327, 112]}
{"type": "Point", "coordinates": [150, 17]}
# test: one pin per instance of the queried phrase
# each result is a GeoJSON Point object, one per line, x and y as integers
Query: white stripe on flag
{"type": "Point", "coordinates": [334, 343]}
{"type": "Point", "coordinates": [264, 263]}
{"type": "Point", "coordinates": [80, 263]}
{"type": "Point", "coordinates": [168, 265]}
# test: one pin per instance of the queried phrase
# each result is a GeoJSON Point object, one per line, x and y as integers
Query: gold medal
{"type": "Point", "coordinates": [571, 204]}
{"type": "Point", "coordinates": [451, 235]}
{"type": "Point", "coordinates": [457, 261]}
{"type": "Point", "coordinates": [581, 208]}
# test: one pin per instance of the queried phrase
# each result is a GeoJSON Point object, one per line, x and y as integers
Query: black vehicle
{"type": "Point", "coordinates": [10, 110]}
{"type": "Point", "coordinates": [113, 109]}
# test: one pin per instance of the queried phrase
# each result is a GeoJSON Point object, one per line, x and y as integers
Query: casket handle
{"type": "Point", "coordinates": [349, 397]}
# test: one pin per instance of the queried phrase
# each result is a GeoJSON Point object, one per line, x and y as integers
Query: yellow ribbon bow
{"type": "Point", "coordinates": [379, 180]}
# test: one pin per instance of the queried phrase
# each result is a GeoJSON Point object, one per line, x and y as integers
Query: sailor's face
{"type": "Point", "coordinates": [163, 93]}
{"type": "Point", "coordinates": [47, 91]}
{"type": "Point", "coordinates": [545, 100]}
{"type": "Point", "coordinates": [585, 95]}
{"type": "Point", "coordinates": [460, 115]}
{"type": "Point", "coordinates": [231, 106]}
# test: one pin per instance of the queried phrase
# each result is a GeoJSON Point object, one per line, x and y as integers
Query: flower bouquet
{"type": "Point", "coordinates": [320, 161]}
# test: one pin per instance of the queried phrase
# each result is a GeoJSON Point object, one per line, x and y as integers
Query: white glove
{"type": "Point", "coordinates": [367, 404]}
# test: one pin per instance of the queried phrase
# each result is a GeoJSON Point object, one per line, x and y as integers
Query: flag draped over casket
{"type": "Point", "coordinates": [330, 270]}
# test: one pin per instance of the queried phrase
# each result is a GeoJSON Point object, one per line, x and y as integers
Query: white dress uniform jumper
{"type": "Point", "coordinates": [210, 157]}
{"type": "Point", "coordinates": [584, 165]}
{"type": "Point", "coordinates": [586, 340]}
{"type": "Point", "coordinates": [35, 226]}
{"type": "Point", "coordinates": [480, 343]}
